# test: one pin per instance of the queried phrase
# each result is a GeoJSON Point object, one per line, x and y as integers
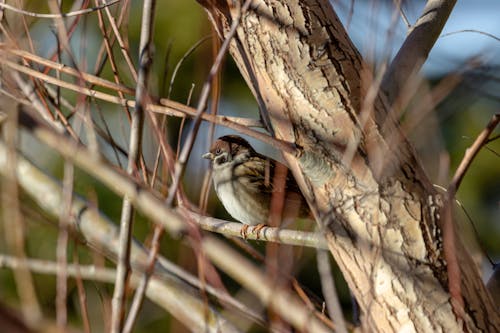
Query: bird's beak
{"type": "Point", "coordinates": [208, 156]}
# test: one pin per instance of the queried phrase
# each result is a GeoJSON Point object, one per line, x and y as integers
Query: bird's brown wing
{"type": "Point", "coordinates": [253, 175]}
{"type": "Point", "coordinates": [262, 175]}
{"type": "Point", "coordinates": [260, 178]}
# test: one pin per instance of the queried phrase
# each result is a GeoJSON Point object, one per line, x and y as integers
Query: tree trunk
{"type": "Point", "coordinates": [381, 214]}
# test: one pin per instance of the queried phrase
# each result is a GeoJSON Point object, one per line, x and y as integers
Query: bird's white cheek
{"type": "Point", "coordinates": [221, 159]}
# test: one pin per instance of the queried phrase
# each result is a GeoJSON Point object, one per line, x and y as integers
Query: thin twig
{"type": "Point", "coordinates": [72, 24]}
{"type": "Point", "coordinates": [144, 281]}
{"type": "Point", "coordinates": [137, 123]}
{"type": "Point", "coordinates": [158, 231]}
{"type": "Point", "coordinates": [13, 225]}
{"type": "Point", "coordinates": [170, 291]}
{"type": "Point", "coordinates": [29, 91]}
{"type": "Point", "coordinates": [62, 246]}
{"type": "Point", "coordinates": [62, 39]}
{"type": "Point", "coordinates": [279, 300]}
{"type": "Point", "coordinates": [329, 291]}
{"type": "Point", "coordinates": [121, 43]}
{"type": "Point", "coordinates": [109, 51]}
{"type": "Point", "coordinates": [449, 247]}
{"type": "Point", "coordinates": [214, 110]}
{"type": "Point", "coordinates": [39, 266]}
{"type": "Point", "coordinates": [179, 63]}
{"type": "Point", "coordinates": [102, 54]}
{"type": "Point", "coordinates": [471, 153]}
{"type": "Point", "coordinates": [167, 107]}
{"type": "Point", "coordinates": [146, 200]}
{"type": "Point", "coordinates": [202, 104]}
{"type": "Point", "coordinates": [472, 224]}
{"type": "Point", "coordinates": [397, 3]}
{"type": "Point", "coordinates": [82, 297]}
{"type": "Point", "coordinates": [474, 31]}
{"type": "Point", "coordinates": [63, 15]}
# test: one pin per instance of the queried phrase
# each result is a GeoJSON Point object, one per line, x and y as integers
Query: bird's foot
{"type": "Point", "coordinates": [244, 231]}
{"type": "Point", "coordinates": [258, 228]}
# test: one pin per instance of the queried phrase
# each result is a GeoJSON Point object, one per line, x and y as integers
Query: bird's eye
{"type": "Point", "coordinates": [218, 151]}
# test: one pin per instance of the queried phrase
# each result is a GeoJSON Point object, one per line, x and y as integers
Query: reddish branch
{"type": "Point", "coordinates": [449, 245]}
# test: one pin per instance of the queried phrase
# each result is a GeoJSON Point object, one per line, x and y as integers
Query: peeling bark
{"type": "Point", "coordinates": [359, 172]}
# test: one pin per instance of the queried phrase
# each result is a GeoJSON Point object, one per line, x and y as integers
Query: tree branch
{"type": "Point", "coordinates": [415, 49]}
{"type": "Point", "coordinates": [471, 153]}
{"type": "Point", "coordinates": [171, 293]}
{"type": "Point", "coordinates": [268, 234]}
{"type": "Point", "coordinates": [134, 155]}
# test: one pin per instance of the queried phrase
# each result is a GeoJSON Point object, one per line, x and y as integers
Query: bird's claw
{"type": "Point", "coordinates": [257, 229]}
{"type": "Point", "coordinates": [244, 231]}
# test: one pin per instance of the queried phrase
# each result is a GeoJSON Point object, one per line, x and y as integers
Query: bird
{"type": "Point", "coordinates": [243, 181]}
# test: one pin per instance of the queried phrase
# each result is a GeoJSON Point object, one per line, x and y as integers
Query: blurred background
{"type": "Point", "coordinates": [468, 48]}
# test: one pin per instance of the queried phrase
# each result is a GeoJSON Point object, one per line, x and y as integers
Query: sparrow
{"type": "Point", "coordinates": [243, 181]}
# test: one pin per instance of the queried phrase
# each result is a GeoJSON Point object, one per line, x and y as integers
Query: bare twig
{"type": "Point", "coordinates": [136, 127]}
{"type": "Point", "coordinates": [169, 292]}
{"type": "Point", "coordinates": [167, 106]}
{"type": "Point", "coordinates": [329, 291]}
{"type": "Point", "coordinates": [145, 200]}
{"type": "Point", "coordinates": [449, 246]}
{"type": "Point", "coordinates": [202, 104]}
{"type": "Point", "coordinates": [39, 266]}
{"type": "Point", "coordinates": [109, 51]}
{"type": "Point", "coordinates": [63, 15]}
{"type": "Point", "coordinates": [150, 205]}
{"type": "Point", "coordinates": [13, 224]}
{"type": "Point", "coordinates": [62, 238]}
{"type": "Point", "coordinates": [471, 153]}
{"type": "Point", "coordinates": [62, 246]}
{"type": "Point", "coordinates": [158, 230]}
{"type": "Point", "coordinates": [102, 54]}
{"type": "Point", "coordinates": [82, 297]}
{"type": "Point", "coordinates": [287, 305]}
{"type": "Point", "coordinates": [397, 3]}
{"type": "Point", "coordinates": [121, 43]}
{"type": "Point", "coordinates": [28, 90]}
{"type": "Point", "coordinates": [474, 31]}
{"type": "Point", "coordinates": [179, 63]}
{"type": "Point", "coordinates": [144, 281]}
{"type": "Point", "coordinates": [214, 110]}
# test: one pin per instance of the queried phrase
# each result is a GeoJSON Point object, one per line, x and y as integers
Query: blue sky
{"type": "Point", "coordinates": [372, 21]}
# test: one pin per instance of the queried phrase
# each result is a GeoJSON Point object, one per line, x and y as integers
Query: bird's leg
{"type": "Point", "coordinates": [258, 228]}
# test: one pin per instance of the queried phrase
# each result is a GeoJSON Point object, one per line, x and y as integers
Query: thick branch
{"type": "Point", "coordinates": [417, 46]}
{"type": "Point", "coordinates": [381, 211]}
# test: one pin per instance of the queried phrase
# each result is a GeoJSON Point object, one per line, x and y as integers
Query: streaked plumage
{"type": "Point", "coordinates": [243, 181]}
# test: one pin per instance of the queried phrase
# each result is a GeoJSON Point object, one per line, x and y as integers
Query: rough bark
{"type": "Point", "coordinates": [360, 174]}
